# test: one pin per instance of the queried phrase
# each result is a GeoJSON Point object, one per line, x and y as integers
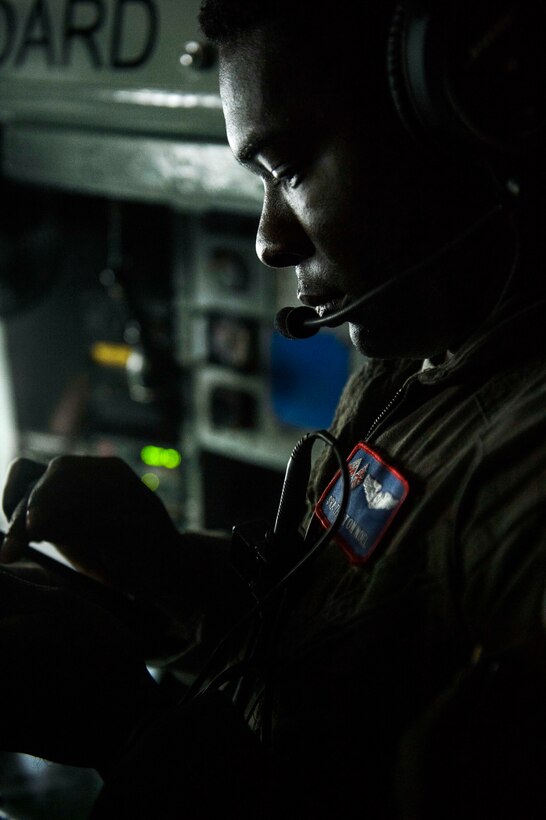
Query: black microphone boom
{"type": "Point", "coordinates": [303, 322]}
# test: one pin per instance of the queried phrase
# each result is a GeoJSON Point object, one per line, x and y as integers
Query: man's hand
{"type": "Point", "coordinates": [73, 686]}
{"type": "Point", "coordinates": [95, 510]}
{"type": "Point", "coordinates": [111, 527]}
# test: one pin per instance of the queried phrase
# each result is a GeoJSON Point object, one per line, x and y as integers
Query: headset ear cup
{"type": "Point", "coordinates": [396, 72]}
{"type": "Point", "coordinates": [416, 70]}
{"type": "Point", "coordinates": [469, 76]}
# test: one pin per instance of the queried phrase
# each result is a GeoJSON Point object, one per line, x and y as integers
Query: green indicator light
{"type": "Point", "coordinates": [151, 481]}
{"type": "Point", "coordinates": [160, 457]}
{"type": "Point", "coordinates": [148, 455]}
{"type": "Point", "coordinates": [171, 458]}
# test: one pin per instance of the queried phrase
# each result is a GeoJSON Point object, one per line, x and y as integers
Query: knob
{"type": "Point", "coordinates": [197, 55]}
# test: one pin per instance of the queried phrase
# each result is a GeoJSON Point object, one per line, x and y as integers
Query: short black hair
{"type": "Point", "coordinates": [345, 48]}
{"type": "Point", "coordinates": [223, 21]}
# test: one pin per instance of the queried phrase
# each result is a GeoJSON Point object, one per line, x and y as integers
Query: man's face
{"type": "Point", "coordinates": [350, 202]}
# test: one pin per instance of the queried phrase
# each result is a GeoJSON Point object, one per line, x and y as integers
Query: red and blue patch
{"type": "Point", "coordinates": [376, 495]}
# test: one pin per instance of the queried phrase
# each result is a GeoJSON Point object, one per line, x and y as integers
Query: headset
{"type": "Point", "coordinates": [466, 79]}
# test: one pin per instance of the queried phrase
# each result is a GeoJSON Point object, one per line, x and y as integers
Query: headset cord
{"type": "Point", "coordinates": [240, 670]}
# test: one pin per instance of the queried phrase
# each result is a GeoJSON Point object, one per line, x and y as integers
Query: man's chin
{"type": "Point", "coordinates": [367, 343]}
{"type": "Point", "coordinates": [371, 344]}
{"type": "Point", "coordinates": [376, 344]}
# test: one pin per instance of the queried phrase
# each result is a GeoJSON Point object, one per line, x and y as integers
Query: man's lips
{"type": "Point", "coordinates": [323, 302]}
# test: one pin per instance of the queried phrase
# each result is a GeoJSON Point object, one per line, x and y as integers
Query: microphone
{"type": "Point", "coordinates": [297, 322]}
{"type": "Point", "coordinates": [303, 322]}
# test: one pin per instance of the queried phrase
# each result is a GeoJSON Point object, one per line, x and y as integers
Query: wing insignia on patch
{"type": "Point", "coordinates": [377, 492]}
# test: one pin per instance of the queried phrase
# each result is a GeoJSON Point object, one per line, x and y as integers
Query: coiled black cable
{"type": "Point", "coordinates": [296, 479]}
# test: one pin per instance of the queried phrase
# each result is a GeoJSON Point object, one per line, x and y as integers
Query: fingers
{"type": "Point", "coordinates": [37, 500]}
{"type": "Point", "coordinates": [16, 539]}
{"type": "Point", "coordinates": [22, 478]}
{"type": "Point", "coordinates": [22, 474]}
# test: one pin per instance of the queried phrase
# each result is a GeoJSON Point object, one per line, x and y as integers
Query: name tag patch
{"type": "Point", "coordinates": [376, 495]}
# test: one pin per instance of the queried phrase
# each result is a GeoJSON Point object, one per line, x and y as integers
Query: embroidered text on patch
{"type": "Point", "coordinates": [376, 494]}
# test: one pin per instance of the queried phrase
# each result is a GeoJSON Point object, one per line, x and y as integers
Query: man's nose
{"type": "Point", "coordinates": [281, 240]}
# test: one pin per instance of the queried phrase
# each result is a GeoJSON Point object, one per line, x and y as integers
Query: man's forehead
{"type": "Point", "coordinates": [248, 112]}
{"type": "Point", "coordinates": [266, 93]}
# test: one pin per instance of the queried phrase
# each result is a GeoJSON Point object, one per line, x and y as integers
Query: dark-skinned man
{"type": "Point", "coordinates": [399, 672]}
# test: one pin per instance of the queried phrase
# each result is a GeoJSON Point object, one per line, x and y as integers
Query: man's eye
{"type": "Point", "coordinates": [286, 174]}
